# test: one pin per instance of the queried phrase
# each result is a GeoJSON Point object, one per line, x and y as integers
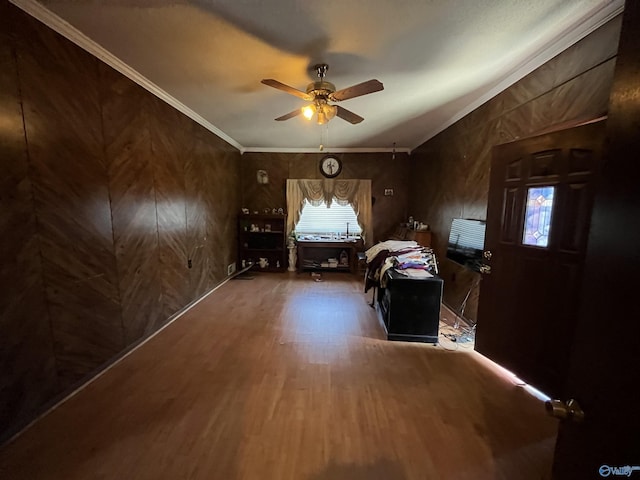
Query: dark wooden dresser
{"type": "Point", "coordinates": [409, 308]}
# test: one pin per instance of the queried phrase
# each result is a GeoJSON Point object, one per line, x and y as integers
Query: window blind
{"type": "Point", "coordinates": [467, 233]}
{"type": "Point", "coordinates": [323, 220]}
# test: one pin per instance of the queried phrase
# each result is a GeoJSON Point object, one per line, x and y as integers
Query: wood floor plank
{"type": "Point", "coordinates": [281, 378]}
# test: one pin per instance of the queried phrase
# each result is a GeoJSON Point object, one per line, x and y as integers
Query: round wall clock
{"type": "Point", "coordinates": [330, 166]}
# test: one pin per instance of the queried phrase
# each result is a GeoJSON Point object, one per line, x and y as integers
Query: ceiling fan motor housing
{"type": "Point", "coordinates": [321, 89]}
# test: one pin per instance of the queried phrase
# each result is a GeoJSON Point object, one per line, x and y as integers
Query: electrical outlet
{"type": "Point", "coordinates": [231, 268]}
{"type": "Point", "coordinates": [388, 192]}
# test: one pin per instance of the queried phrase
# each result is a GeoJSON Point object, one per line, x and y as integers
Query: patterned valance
{"type": "Point", "coordinates": [356, 193]}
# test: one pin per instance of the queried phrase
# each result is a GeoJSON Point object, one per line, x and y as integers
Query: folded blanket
{"type": "Point", "coordinates": [389, 245]}
{"type": "Point", "coordinates": [402, 255]}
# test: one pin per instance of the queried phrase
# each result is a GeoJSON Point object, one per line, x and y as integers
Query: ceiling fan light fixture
{"type": "Point", "coordinates": [308, 111]}
{"type": "Point", "coordinates": [325, 111]}
{"type": "Point", "coordinates": [330, 111]}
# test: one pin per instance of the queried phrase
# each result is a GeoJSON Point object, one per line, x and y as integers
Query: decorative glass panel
{"type": "Point", "coordinates": [537, 220]}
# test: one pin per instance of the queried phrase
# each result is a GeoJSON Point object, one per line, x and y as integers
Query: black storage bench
{"type": "Point", "coordinates": [409, 308]}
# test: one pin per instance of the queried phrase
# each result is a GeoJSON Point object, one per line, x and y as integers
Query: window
{"type": "Point", "coordinates": [537, 220]}
{"type": "Point", "coordinates": [322, 220]}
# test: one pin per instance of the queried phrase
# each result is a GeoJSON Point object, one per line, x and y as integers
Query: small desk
{"type": "Point", "coordinates": [409, 308]}
{"type": "Point", "coordinates": [319, 251]}
{"type": "Point", "coordinates": [421, 237]}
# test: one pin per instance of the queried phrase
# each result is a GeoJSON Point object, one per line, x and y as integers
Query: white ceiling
{"type": "Point", "coordinates": [437, 59]}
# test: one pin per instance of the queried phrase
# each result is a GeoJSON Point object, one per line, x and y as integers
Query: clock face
{"type": "Point", "coordinates": [330, 166]}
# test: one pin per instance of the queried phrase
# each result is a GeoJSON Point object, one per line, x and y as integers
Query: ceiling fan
{"type": "Point", "coordinates": [320, 93]}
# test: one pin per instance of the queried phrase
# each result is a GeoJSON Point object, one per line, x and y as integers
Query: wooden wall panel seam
{"type": "Point", "coordinates": [33, 205]}
{"type": "Point", "coordinates": [162, 321]}
{"type": "Point", "coordinates": [104, 159]}
{"type": "Point", "coordinates": [27, 361]}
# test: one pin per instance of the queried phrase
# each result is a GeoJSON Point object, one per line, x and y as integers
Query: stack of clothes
{"type": "Point", "coordinates": [407, 257]}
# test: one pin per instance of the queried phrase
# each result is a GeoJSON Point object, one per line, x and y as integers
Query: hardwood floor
{"type": "Point", "coordinates": [282, 378]}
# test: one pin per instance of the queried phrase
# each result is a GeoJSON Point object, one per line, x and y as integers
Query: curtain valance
{"type": "Point", "coordinates": [356, 193]}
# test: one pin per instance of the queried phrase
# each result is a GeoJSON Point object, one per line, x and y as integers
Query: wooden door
{"type": "Point", "coordinates": [528, 303]}
{"type": "Point", "coordinates": [603, 376]}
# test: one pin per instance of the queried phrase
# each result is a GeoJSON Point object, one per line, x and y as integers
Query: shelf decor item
{"type": "Point", "coordinates": [263, 238]}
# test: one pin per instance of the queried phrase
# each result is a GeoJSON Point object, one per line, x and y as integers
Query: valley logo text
{"type": "Point", "coordinates": [626, 471]}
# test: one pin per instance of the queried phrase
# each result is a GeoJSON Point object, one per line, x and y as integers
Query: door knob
{"type": "Point", "coordinates": [486, 269]}
{"type": "Point", "coordinates": [565, 411]}
{"type": "Point", "coordinates": [487, 254]}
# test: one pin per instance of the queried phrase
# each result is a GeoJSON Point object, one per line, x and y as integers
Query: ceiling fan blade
{"type": "Point", "coordinates": [289, 115]}
{"type": "Point", "coordinates": [358, 90]}
{"type": "Point", "coordinates": [286, 88]}
{"type": "Point", "coordinates": [348, 115]}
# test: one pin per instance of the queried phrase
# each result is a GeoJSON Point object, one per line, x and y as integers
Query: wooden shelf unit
{"type": "Point", "coordinates": [263, 236]}
{"type": "Point", "coordinates": [318, 251]}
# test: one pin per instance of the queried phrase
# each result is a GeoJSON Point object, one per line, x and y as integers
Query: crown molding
{"type": "Point", "coordinates": [327, 150]}
{"type": "Point", "coordinates": [50, 19]}
{"type": "Point", "coordinates": [589, 23]}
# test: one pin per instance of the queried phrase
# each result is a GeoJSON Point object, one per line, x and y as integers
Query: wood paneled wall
{"type": "Point", "coordinates": [106, 193]}
{"type": "Point", "coordinates": [383, 171]}
{"type": "Point", "coordinates": [575, 85]}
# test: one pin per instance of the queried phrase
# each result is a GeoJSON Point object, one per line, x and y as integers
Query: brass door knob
{"type": "Point", "coordinates": [565, 411]}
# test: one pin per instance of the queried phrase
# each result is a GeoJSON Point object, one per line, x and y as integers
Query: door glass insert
{"type": "Point", "coordinates": [537, 220]}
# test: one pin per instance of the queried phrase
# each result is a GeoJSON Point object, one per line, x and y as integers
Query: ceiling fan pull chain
{"type": "Point", "coordinates": [326, 135]}
{"type": "Point", "coordinates": [324, 144]}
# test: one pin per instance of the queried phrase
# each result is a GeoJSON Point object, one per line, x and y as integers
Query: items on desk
{"type": "Point", "coordinates": [415, 273]}
{"type": "Point", "coordinates": [326, 237]}
{"type": "Point", "coordinates": [424, 260]}
{"type": "Point", "coordinates": [403, 256]}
